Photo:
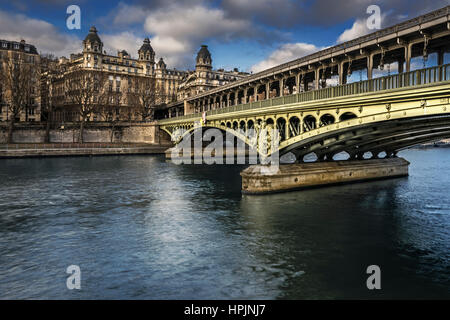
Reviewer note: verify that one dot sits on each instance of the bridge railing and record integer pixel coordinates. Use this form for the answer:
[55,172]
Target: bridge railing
[402,80]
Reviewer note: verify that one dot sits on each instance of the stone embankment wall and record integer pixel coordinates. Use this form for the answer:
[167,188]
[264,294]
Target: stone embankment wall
[93,132]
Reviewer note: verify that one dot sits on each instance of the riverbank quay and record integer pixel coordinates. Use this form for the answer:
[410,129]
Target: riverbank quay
[31,150]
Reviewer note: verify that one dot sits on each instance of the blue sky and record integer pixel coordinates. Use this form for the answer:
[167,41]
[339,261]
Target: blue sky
[249,34]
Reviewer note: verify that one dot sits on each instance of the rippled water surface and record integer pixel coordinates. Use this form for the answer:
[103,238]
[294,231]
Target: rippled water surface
[141,228]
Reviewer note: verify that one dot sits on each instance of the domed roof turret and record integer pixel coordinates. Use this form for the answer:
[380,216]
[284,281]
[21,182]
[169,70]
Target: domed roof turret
[146,47]
[204,57]
[92,41]
[93,36]
[161,64]
[146,51]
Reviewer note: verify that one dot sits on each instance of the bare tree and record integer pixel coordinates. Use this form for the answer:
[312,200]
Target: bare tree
[109,109]
[85,90]
[144,96]
[18,77]
[49,70]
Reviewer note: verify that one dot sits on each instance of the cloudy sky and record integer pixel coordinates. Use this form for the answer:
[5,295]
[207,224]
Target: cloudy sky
[249,34]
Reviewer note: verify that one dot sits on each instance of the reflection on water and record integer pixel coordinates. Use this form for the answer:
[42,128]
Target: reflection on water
[139,227]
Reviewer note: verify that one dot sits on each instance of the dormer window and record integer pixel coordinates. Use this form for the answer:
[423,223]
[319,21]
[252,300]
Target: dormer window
[27,49]
[4,45]
[16,46]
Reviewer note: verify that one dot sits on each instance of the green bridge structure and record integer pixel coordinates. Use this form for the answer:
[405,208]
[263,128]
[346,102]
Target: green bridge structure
[315,110]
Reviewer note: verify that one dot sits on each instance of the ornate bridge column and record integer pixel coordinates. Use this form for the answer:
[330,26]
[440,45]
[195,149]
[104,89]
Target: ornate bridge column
[316,78]
[408,48]
[370,66]
[297,82]
[342,73]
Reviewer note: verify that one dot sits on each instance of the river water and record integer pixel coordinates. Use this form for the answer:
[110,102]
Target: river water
[141,228]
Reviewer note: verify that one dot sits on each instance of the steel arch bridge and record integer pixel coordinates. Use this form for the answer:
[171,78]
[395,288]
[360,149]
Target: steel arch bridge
[386,114]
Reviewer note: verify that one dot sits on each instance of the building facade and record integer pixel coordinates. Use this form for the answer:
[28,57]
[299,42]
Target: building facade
[20,70]
[124,75]
[129,82]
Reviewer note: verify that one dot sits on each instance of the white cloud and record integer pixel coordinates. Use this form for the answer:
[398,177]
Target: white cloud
[125,14]
[39,33]
[358,29]
[179,31]
[195,23]
[176,30]
[285,53]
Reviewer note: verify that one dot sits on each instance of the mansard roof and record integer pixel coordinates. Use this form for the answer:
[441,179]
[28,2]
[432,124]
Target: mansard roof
[18,46]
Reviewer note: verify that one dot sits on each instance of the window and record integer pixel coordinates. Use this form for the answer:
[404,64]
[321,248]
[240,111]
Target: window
[4,45]
[16,46]
[27,49]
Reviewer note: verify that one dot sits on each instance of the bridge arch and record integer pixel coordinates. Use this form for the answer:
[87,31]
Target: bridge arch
[281,127]
[270,120]
[326,120]
[294,126]
[242,125]
[347,116]
[309,123]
